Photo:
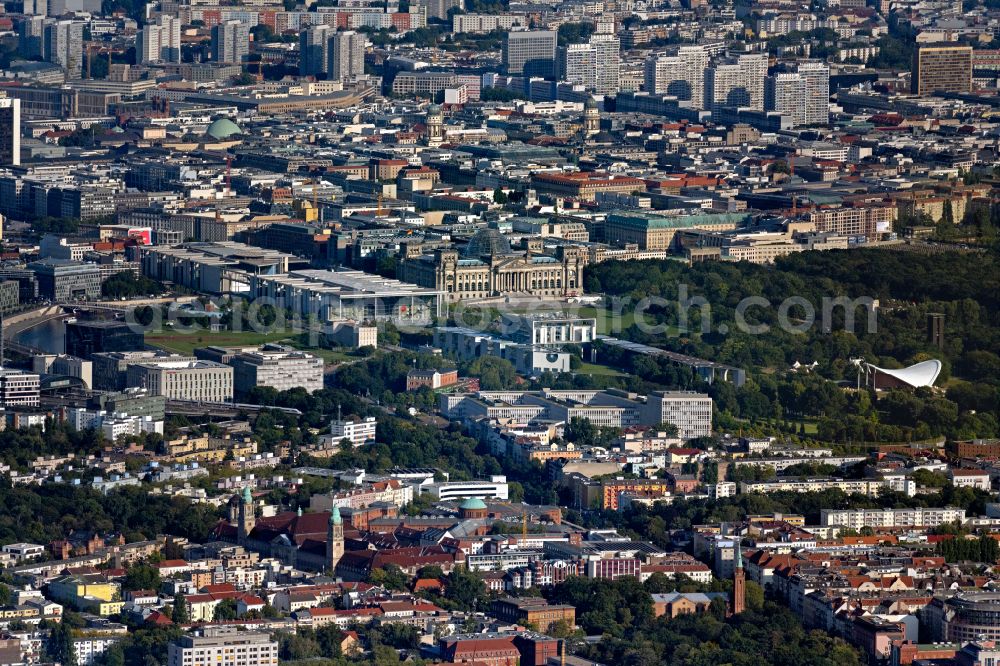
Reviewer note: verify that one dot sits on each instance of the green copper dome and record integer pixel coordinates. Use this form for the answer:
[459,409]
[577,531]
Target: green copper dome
[472,504]
[247,497]
[335,518]
[223,128]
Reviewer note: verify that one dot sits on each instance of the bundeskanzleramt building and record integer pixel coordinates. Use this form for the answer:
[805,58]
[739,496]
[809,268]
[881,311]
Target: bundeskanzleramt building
[202,381]
[221,647]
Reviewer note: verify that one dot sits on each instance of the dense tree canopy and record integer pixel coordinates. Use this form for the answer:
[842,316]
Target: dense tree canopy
[904,286]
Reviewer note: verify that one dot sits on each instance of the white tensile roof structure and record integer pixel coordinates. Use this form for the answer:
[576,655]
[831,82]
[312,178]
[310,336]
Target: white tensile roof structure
[921,374]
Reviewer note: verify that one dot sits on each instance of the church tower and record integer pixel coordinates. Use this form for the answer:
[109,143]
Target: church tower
[247,519]
[591,117]
[334,539]
[739,583]
[435,125]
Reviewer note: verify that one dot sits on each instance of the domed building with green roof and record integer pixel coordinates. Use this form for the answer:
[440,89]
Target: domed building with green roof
[223,129]
[472,509]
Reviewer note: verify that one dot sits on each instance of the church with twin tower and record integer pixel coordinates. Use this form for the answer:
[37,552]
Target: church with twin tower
[311,541]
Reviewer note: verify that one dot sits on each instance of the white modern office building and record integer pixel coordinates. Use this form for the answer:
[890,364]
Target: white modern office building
[356,431]
[201,381]
[493,488]
[278,369]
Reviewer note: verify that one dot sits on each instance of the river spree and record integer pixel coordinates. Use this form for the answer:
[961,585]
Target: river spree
[49,336]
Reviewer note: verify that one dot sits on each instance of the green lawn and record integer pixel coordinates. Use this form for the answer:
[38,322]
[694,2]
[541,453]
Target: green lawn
[599,370]
[329,356]
[185,343]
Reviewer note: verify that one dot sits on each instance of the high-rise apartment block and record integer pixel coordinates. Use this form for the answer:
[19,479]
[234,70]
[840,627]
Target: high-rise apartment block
[230,41]
[160,41]
[10,131]
[737,82]
[35,7]
[314,43]
[31,36]
[439,9]
[594,65]
[62,44]
[530,52]
[941,68]
[346,55]
[681,75]
[803,94]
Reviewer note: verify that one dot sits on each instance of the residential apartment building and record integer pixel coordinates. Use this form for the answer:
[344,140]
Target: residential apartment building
[346,54]
[479,24]
[62,44]
[681,75]
[855,519]
[230,42]
[594,65]
[314,44]
[691,412]
[223,647]
[862,486]
[803,95]
[862,220]
[159,41]
[736,82]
